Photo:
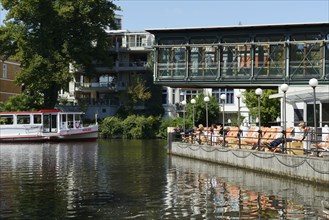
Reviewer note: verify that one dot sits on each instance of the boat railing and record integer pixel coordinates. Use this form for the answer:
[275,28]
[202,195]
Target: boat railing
[71,124]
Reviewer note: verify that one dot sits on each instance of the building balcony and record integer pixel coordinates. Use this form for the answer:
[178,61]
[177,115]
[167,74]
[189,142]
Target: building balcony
[95,86]
[122,67]
[98,102]
[132,46]
[100,86]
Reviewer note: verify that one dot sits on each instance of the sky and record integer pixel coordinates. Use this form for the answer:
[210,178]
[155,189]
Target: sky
[141,15]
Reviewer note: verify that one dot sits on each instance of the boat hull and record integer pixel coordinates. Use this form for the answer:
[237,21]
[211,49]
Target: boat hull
[83,134]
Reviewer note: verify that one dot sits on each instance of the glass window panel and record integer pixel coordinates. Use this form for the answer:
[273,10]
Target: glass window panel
[305,60]
[36,119]
[310,114]
[269,61]
[23,119]
[228,92]
[164,60]
[236,61]
[172,62]
[325,114]
[196,61]
[6,119]
[179,61]
[210,63]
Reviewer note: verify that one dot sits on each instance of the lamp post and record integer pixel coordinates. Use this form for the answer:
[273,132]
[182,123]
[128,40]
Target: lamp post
[238,95]
[183,104]
[223,98]
[284,88]
[206,100]
[193,102]
[314,83]
[259,93]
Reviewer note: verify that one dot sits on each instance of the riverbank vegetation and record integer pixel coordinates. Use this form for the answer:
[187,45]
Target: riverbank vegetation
[146,125]
[132,127]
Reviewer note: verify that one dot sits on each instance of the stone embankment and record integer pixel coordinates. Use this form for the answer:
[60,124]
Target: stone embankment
[303,167]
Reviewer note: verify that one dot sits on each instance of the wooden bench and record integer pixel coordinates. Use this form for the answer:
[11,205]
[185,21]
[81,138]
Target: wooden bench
[251,139]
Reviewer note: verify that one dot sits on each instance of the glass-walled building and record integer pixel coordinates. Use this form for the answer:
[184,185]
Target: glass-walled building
[229,56]
[240,57]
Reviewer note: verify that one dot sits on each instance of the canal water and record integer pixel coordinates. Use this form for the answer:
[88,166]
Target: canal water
[137,179]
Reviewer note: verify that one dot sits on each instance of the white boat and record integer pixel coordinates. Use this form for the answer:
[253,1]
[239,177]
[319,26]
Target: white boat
[45,125]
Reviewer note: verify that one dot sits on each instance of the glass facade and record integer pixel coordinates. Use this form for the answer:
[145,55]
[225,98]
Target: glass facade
[279,53]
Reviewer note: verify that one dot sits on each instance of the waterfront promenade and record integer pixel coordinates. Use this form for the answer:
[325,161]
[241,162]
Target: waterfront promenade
[304,167]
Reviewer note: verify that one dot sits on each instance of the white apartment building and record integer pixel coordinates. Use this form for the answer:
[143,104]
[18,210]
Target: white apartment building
[171,97]
[101,95]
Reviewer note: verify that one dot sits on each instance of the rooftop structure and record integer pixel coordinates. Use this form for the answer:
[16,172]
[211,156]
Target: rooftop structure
[242,56]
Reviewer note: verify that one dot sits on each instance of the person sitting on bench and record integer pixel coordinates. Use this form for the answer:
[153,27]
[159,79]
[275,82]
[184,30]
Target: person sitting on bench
[300,136]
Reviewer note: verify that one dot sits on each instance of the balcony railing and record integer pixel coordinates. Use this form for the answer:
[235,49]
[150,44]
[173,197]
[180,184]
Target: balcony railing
[99,102]
[95,85]
[123,66]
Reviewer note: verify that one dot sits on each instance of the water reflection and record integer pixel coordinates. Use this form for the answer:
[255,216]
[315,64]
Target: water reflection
[36,177]
[232,193]
[116,179]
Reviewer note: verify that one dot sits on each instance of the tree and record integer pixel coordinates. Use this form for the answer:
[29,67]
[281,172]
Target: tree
[200,110]
[46,36]
[269,108]
[138,92]
[21,102]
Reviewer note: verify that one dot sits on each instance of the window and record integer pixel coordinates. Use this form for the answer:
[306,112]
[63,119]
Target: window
[310,114]
[4,71]
[164,96]
[23,119]
[37,119]
[187,95]
[139,40]
[228,92]
[6,120]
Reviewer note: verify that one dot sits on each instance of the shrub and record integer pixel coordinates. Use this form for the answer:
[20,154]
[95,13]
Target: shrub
[111,127]
[133,127]
[173,122]
[138,127]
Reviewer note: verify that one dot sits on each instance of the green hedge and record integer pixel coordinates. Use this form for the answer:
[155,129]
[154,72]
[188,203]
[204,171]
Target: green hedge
[133,127]
[139,127]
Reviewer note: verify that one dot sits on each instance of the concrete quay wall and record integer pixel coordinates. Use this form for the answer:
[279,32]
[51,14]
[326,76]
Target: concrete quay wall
[304,167]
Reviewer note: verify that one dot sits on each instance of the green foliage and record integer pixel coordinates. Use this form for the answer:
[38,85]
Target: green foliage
[22,102]
[169,122]
[111,127]
[154,104]
[269,108]
[46,36]
[141,91]
[133,127]
[138,127]
[200,110]
[138,92]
